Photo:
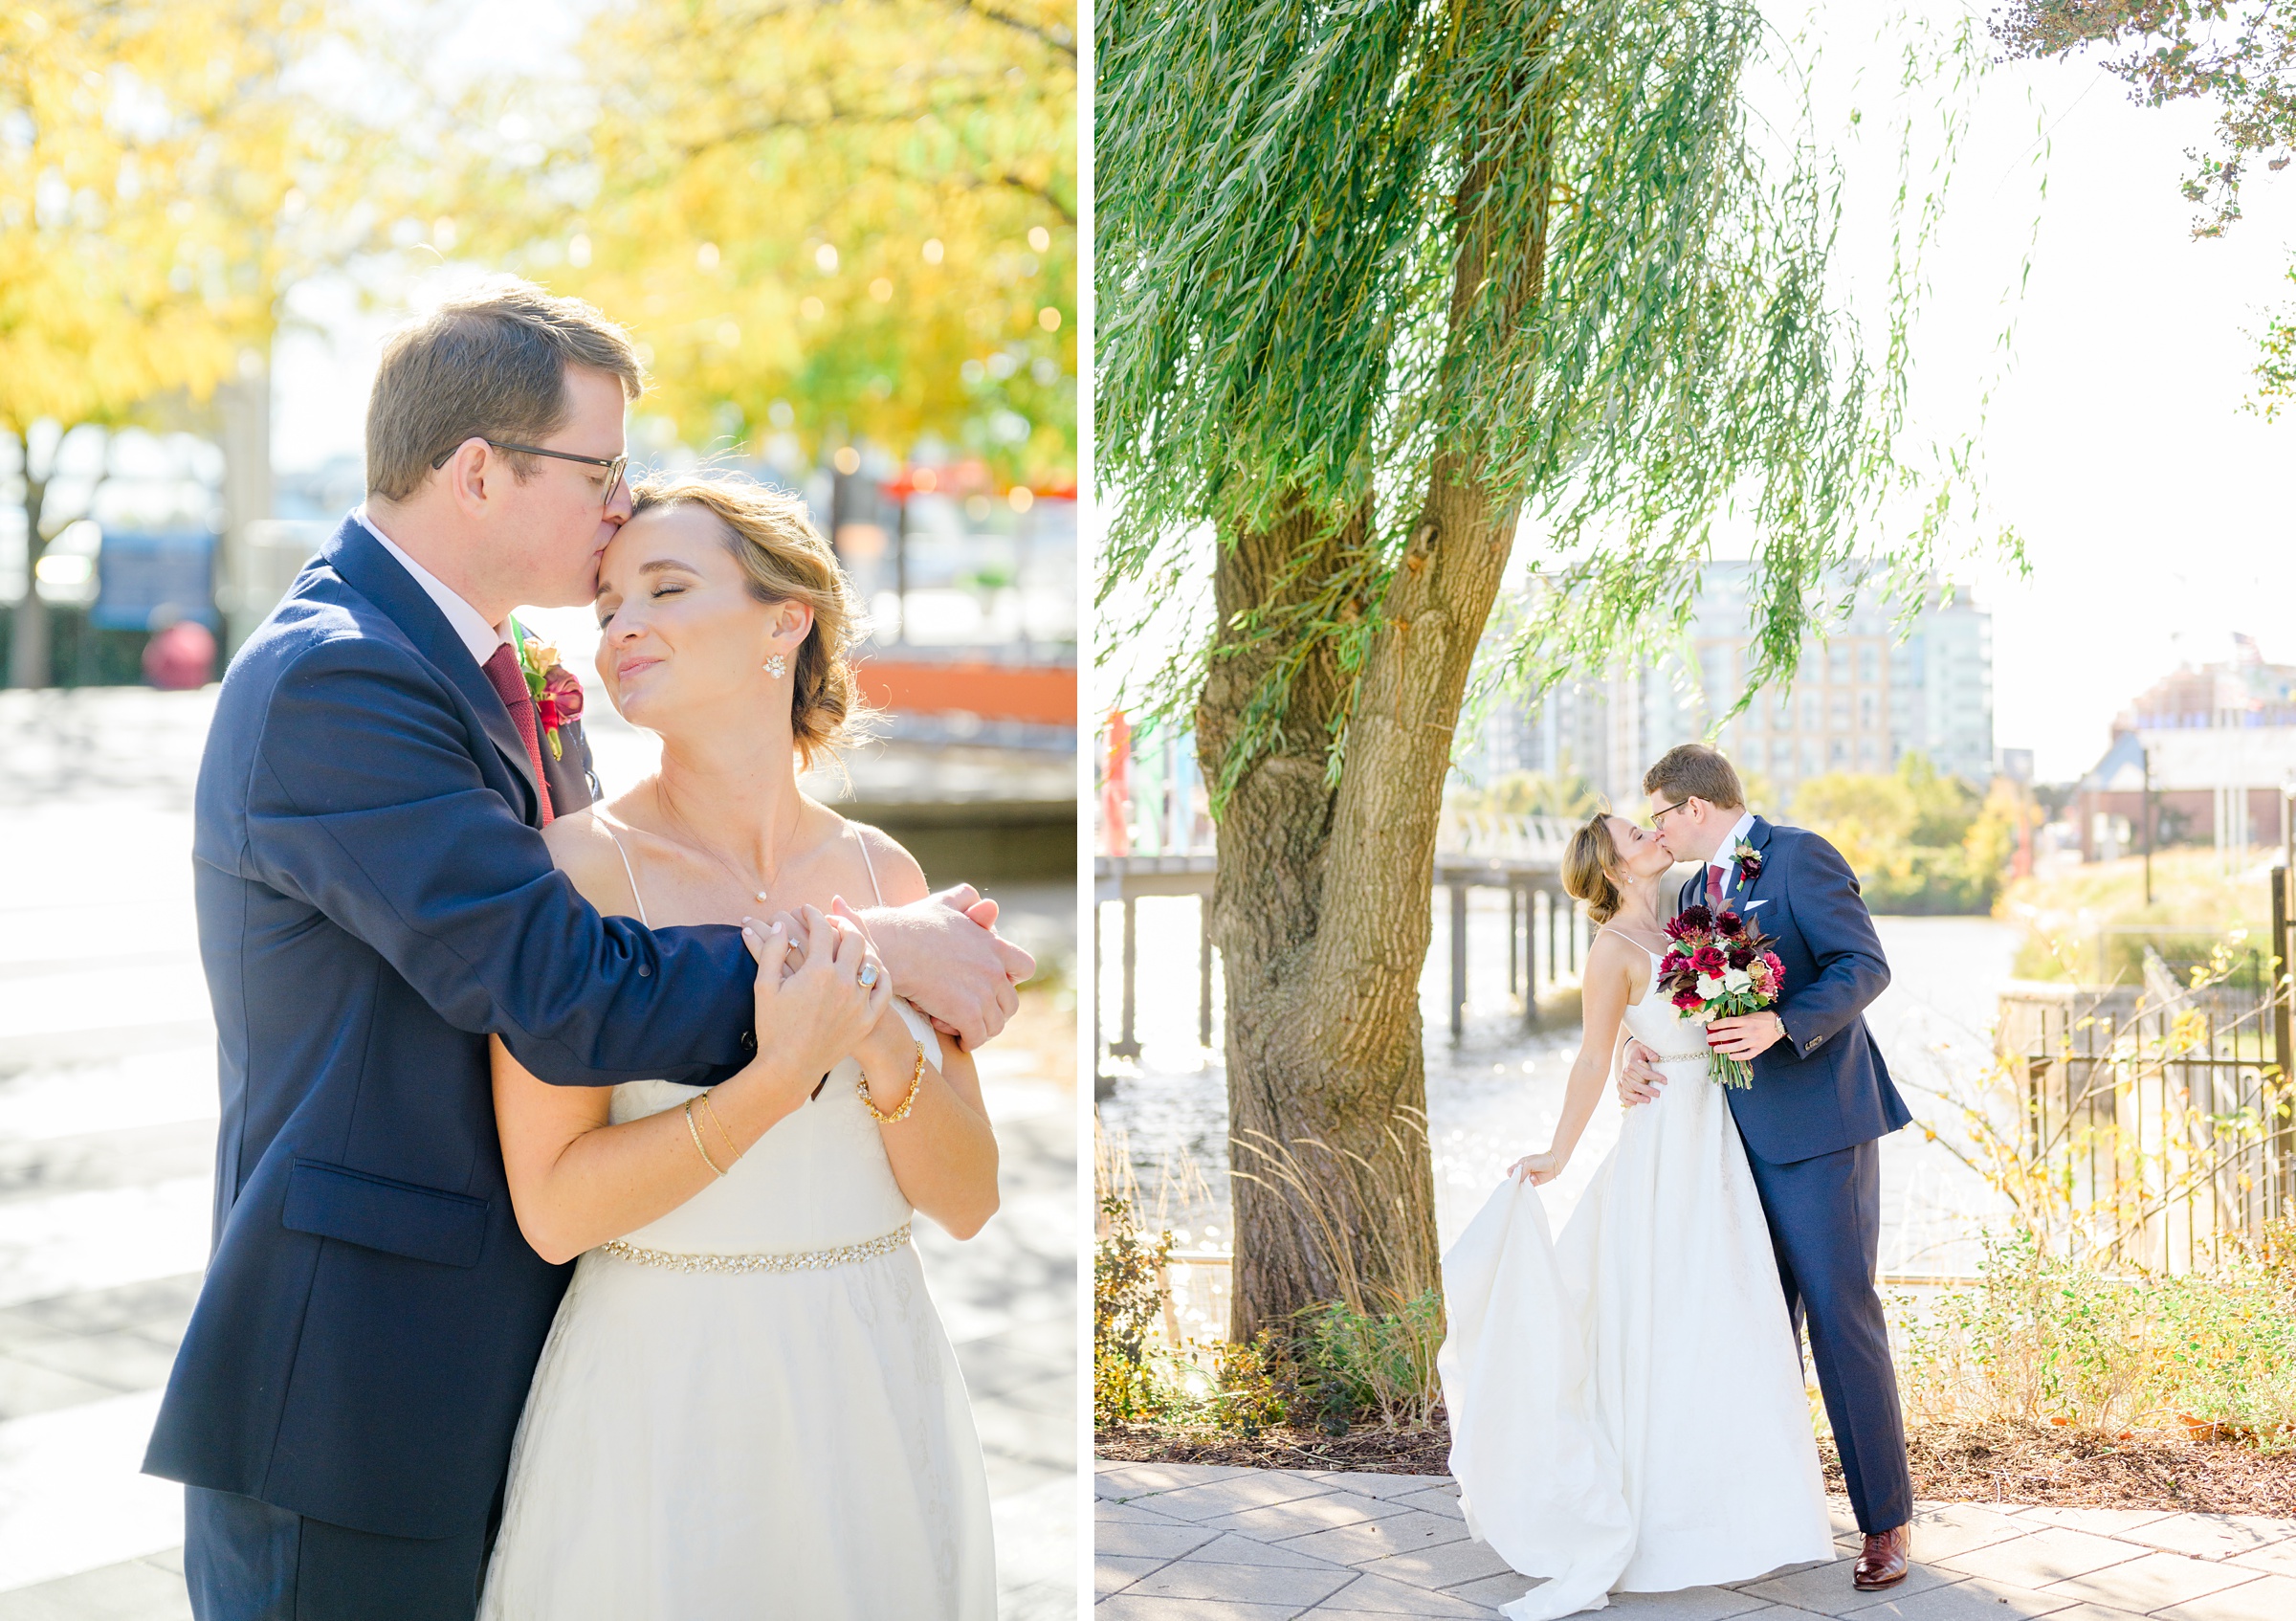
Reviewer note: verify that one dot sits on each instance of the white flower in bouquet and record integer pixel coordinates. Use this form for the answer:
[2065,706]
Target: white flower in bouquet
[1737,980]
[1709,987]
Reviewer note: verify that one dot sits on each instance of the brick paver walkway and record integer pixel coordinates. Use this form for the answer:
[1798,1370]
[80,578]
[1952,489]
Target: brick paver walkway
[1192,1543]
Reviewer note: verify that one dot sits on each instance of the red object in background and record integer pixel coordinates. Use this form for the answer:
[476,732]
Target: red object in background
[180,659]
[1116,786]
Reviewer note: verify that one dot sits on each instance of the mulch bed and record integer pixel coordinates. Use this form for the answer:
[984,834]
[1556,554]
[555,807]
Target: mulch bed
[2036,1464]
[1378,1452]
[2015,1463]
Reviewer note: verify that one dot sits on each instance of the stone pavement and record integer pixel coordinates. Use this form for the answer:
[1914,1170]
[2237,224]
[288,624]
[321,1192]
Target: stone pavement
[107,1124]
[1194,1542]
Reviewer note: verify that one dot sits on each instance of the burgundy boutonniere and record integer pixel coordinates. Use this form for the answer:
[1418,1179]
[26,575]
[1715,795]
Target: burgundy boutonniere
[556,694]
[1749,862]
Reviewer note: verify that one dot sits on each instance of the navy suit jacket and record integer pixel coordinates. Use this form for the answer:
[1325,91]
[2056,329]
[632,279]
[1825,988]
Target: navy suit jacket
[373,899]
[1824,1087]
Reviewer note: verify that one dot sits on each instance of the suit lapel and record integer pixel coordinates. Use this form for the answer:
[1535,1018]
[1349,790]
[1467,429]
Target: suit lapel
[376,575]
[1746,892]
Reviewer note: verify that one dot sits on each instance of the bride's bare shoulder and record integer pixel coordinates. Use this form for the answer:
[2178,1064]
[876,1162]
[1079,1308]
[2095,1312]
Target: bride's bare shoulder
[899,878]
[582,847]
[1612,951]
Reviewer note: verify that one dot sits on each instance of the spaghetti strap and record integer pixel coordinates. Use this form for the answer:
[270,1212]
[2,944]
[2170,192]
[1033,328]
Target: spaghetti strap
[627,868]
[868,863]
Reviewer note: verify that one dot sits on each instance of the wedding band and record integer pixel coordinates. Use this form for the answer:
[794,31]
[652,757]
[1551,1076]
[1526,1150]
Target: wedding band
[868,976]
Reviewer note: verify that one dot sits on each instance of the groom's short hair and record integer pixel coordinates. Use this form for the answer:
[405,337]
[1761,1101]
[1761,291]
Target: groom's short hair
[1692,770]
[490,364]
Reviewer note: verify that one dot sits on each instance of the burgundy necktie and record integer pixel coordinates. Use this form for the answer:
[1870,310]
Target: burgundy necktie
[510,682]
[1713,886]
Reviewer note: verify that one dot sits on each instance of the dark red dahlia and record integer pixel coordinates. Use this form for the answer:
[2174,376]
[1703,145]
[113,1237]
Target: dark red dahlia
[1729,925]
[1739,955]
[1690,918]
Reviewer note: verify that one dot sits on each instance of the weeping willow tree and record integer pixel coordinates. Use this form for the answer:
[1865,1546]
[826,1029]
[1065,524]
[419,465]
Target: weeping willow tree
[1380,287]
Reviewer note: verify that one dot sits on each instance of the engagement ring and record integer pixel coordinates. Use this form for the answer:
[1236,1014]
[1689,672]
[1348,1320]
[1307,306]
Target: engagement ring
[868,975]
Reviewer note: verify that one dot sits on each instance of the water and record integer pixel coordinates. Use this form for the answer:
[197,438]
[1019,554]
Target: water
[1497,1096]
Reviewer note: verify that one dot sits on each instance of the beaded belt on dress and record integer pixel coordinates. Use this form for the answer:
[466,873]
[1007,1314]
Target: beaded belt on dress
[786,1260]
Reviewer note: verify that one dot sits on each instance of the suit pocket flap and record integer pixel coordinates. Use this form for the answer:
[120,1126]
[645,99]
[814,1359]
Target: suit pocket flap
[377,1213]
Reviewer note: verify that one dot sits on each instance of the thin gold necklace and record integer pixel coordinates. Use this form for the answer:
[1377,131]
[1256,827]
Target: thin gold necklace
[696,842]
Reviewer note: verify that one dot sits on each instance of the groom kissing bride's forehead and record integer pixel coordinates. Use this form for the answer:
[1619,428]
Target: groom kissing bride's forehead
[396,950]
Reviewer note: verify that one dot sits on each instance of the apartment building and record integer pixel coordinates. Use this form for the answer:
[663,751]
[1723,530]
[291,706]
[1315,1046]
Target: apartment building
[1859,701]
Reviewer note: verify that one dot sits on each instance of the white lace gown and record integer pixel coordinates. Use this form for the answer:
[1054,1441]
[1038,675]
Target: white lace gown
[1626,1403]
[704,1444]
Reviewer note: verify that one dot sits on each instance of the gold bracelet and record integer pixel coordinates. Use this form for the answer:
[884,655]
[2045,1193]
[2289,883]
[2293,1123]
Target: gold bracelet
[698,1146]
[917,1078]
[733,1150]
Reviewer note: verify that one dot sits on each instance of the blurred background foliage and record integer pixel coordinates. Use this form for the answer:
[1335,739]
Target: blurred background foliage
[834,220]
[1918,839]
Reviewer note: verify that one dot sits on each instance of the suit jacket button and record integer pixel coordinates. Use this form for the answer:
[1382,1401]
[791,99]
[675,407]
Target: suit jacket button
[645,970]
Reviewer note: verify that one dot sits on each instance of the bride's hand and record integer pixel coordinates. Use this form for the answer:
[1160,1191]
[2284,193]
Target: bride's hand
[810,1018]
[1539,1168]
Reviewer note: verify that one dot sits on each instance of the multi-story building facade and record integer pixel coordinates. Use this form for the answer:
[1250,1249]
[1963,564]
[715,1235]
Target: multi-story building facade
[2206,751]
[1860,702]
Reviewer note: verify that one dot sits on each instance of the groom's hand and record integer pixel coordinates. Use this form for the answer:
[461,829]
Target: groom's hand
[945,958]
[1639,1080]
[1747,1035]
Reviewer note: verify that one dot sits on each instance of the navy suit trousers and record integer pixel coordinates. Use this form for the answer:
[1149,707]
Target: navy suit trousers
[249,1561]
[1826,1223]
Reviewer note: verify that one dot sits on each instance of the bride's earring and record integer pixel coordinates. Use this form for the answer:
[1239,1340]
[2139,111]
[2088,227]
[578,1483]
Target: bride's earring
[776,666]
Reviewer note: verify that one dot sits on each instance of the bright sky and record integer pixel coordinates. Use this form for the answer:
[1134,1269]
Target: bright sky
[2155,512]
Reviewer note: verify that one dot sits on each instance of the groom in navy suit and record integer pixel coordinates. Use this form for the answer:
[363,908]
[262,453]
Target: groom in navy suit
[1812,1121]
[374,899]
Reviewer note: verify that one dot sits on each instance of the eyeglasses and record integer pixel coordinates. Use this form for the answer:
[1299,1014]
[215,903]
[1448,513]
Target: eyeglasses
[1658,816]
[613,465]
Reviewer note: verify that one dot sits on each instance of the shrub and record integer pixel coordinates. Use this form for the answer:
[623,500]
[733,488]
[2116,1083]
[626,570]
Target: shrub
[1367,1362]
[2043,1338]
[1128,1304]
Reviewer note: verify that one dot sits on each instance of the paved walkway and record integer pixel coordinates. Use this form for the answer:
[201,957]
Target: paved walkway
[107,1125]
[1191,1543]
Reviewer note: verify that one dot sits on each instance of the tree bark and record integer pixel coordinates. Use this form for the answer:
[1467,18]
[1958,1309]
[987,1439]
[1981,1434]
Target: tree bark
[27,656]
[1307,1140]
[1322,901]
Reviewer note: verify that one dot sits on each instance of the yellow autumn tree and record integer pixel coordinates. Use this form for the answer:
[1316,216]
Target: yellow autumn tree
[147,152]
[845,219]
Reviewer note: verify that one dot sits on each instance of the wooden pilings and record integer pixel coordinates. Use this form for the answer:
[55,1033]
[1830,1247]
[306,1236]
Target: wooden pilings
[1531,888]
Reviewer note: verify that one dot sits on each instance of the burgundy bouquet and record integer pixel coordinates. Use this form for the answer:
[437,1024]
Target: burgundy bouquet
[1720,966]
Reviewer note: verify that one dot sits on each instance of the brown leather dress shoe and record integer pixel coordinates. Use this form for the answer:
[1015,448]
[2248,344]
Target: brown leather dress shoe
[1883,1564]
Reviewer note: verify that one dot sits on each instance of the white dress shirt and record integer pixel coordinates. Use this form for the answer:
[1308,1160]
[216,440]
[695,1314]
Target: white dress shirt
[1725,854]
[476,635]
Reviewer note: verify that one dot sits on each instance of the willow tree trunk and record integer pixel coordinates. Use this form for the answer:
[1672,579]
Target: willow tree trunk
[1322,901]
[27,656]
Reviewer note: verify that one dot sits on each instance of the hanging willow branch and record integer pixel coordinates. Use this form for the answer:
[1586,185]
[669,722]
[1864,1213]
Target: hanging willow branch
[1280,214]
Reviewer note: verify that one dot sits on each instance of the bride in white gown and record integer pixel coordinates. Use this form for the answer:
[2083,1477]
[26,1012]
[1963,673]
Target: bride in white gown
[1627,1402]
[747,1407]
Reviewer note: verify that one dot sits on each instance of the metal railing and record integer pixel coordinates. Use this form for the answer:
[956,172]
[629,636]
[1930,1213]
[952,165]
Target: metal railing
[2155,1116]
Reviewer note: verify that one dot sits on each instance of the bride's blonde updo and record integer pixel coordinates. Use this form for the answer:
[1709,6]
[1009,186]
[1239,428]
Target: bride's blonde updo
[785,560]
[1590,868]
